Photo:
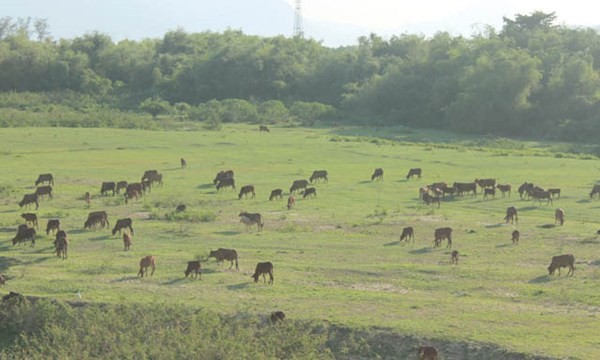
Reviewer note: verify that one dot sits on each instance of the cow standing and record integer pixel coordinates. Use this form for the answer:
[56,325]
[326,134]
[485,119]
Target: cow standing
[127,241]
[245,190]
[298,184]
[263,268]
[145,263]
[511,215]
[515,237]
[42,178]
[318,175]
[52,225]
[291,202]
[560,262]
[408,233]
[30,218]
[225,254]
[377,174]
[123,224]
[29,199]
[194,268]
[559,216]
[416,172]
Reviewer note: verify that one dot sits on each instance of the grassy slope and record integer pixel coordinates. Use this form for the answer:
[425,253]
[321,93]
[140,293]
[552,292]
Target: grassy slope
[336,257]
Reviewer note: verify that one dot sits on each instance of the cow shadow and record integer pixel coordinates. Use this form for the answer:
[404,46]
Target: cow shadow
[547,226]
[590,241]
[41,259]
[540,279]
[582,201]
[227,233]
[176,281]
[205,186]
[125,278]
[528,208]
[392,243]
[8,211]
[503,245]
[76,231]
[421,251]
[493,226]
[595,263]
[241,286]
[6,262]
[365,182]
[97,238]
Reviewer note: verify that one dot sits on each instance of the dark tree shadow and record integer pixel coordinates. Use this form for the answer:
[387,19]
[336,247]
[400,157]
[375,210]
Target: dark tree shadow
[9,230]
[6,262]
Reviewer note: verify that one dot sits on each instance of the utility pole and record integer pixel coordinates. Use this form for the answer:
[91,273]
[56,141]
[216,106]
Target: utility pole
[298,28]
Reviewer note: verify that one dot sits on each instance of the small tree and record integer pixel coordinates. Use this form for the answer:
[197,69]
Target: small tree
[155,106]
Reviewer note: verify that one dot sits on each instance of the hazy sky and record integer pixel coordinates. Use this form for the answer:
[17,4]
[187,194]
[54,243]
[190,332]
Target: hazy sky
[334,22]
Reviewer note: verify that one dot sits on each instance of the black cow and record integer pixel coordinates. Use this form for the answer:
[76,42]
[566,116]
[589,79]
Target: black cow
[30,218]
[277,193]
[148,174]
[183,163]
[193,268]
[511,215]
[52,225]
[42,178]
[319,175]
[41,191]
[95,218]
[223,183]
[262,128]
[222,175]
[441,234]
[29,199]
[250,219]
[121,185]
[225,254]
[308,192]
[277,316]
[180,208]
[263,268]
[24,233]
[427,353]
[245,190]
[560,262]
[408,233]
[414,172]
[106,187]
[122,224]
[298,184]
[377,174]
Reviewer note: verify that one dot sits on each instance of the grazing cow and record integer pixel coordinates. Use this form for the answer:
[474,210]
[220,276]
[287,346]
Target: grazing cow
[554,191]
[595,190]
[52,225]
[414,172]
[408,233]
[131,194]
[454,257]
[139,187]
[62,244]
[29,199]
[291,202]
[95,218]
[88,198]
[42,178]
[148,261]
[525,189]
[249,219]
[127,241]
[427,353]
[24,233]
[423,190]
[462,188]
[155,179]
[183,163]
[430,200]
[225,254]
[193,268]
[298,184]
[559,216]
[277,316]
[438,185]
[485,183]
[511,214]
[180,208]
[447,190]
[489,192]
[148,174]
[262,269]
[277,193]
[229,182]
[41,191]
[222,175]
[262,128]
[560,262]
[318,175]
[538,194]
[308,192]
[504,189]
[441,234]
[377,174]
[30,218]
[122,224]
[515,237]
[245,190]
[121,185]
[106,187]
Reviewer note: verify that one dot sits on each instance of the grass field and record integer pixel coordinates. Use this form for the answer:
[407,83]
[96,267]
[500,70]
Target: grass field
[336,257]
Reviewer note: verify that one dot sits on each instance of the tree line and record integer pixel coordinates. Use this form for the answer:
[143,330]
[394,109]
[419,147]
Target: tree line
[530,78]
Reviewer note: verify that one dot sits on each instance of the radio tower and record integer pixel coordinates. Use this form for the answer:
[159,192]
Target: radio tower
[298,30]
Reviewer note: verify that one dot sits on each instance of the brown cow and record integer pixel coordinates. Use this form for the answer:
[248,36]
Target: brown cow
[88,198]
[291,202]
[511,215]
[195,268]
[277,193]
[414,172]
[127,241]
[183,163]
[560,262]
[504,189]
[262,128]
[2,279]
[298,184]
[148,261]
[262,269]
[139,187]
[106,187]
[131,194]
[245,190]
[30,218]
[225,254]
[42,178]
[277,316]
[41,191]
[308,192]
[155,179]
[318,175]
[427,353]
[30,199]
[462,188]
[377,174]
[441,234]
[62,245]
[454,257]
[423,190]
[408,233]
[52,225]
[559,216]
[121,185]
[515,237]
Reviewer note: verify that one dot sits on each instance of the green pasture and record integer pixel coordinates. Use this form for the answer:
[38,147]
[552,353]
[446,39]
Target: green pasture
[336,257]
